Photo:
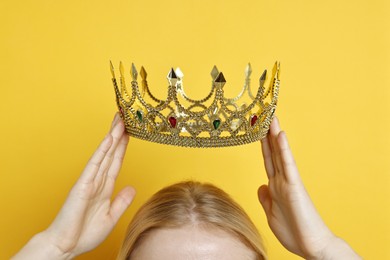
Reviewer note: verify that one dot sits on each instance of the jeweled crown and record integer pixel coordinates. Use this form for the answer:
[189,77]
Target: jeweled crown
[222,122]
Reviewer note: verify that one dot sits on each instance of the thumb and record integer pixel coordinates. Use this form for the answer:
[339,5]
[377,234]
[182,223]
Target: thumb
[264,198]
[121,202]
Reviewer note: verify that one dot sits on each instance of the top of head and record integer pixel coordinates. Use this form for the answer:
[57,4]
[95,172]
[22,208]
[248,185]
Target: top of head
[222,122]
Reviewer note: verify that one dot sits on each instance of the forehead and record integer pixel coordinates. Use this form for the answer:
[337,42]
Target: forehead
[191,242]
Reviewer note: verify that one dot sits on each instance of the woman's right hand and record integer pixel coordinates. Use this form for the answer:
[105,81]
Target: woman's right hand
[290,212]
[88,214]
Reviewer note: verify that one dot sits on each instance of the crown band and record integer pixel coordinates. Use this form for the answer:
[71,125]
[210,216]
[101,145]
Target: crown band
[219,124]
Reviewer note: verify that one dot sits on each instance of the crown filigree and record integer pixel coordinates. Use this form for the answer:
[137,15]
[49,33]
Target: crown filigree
[214,121]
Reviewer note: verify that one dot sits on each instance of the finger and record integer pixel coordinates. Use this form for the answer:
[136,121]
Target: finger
[265,199]
[121,202]
[267,157]
[116,133]
[288,163]
[116,165]
[94,163]
[115,120]
[118,157]
[273,133]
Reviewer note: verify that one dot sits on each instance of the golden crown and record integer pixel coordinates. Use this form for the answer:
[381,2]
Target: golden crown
[223,122]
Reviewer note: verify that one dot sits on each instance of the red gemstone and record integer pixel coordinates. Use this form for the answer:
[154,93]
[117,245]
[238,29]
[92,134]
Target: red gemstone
[121,110]
[172,121]
[253,120]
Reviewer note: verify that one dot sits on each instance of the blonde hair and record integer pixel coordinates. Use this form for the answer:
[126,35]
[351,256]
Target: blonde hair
[189,203]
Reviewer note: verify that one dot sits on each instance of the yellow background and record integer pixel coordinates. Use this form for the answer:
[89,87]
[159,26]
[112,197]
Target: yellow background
[57,103]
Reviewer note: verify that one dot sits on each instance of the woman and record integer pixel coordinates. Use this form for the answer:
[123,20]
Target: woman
[191,220]
[88,215]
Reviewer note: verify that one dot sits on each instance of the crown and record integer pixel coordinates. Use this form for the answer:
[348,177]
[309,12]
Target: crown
[214,121]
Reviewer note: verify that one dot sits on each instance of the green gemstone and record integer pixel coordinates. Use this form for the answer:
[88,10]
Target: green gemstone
[216,123]
[139,115]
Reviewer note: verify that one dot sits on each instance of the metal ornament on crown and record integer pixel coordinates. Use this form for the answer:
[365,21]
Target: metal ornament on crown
[222,123]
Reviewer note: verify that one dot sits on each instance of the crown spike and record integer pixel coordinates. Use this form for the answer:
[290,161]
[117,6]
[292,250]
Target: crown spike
[278,70]
[172,77]
[121,69]
[248,70]
[214,72]
[179,73]
[275,74]
[133,72]
[263,76]
[112,70]
[220,80]
[172,74]
[262,79]
[143,73]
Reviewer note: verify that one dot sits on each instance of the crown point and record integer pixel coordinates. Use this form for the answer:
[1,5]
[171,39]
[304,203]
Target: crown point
[179,73]
[278,70]
[172,74]
[121,69]
[220,79]
[133,72]
[263,76]
[112,70]
[248,70]
[143,73]
[172,77]
[214,72]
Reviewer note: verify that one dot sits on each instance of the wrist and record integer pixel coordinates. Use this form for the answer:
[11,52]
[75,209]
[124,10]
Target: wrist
[336,248]
[41,246]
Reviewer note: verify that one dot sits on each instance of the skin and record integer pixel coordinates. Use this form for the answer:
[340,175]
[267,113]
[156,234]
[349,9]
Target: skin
[88,214]
[290,212]
[192,242]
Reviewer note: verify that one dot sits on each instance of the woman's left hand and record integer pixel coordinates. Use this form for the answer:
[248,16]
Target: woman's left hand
[88,215]
[290,212]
